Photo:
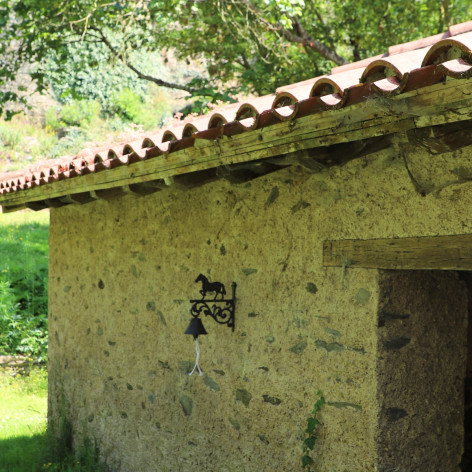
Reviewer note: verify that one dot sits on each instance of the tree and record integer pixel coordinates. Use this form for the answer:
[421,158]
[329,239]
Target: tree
[254,45]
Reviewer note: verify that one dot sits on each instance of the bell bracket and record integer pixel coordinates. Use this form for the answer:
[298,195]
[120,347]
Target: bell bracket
[220,309]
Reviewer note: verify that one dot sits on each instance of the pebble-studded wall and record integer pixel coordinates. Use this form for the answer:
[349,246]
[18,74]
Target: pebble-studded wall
[122,273]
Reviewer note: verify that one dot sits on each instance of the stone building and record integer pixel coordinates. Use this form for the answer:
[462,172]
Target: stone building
[341,208]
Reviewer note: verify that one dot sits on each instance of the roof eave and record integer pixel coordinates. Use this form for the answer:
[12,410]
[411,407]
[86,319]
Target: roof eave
[381,114]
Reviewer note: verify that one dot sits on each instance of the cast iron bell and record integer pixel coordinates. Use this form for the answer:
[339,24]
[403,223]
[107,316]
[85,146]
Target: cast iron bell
[196,328]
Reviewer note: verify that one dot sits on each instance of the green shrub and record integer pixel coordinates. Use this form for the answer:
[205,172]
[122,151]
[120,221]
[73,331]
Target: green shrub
[9,136]
[51,119]
[127,105]
[23,289]
[7,311]
[80,112]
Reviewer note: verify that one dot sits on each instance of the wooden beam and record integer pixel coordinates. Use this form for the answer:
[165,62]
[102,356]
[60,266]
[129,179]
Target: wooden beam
[36,206]
[428,253]
[55,202]
[83,198]
[139,189]
[11,209]
[442,139]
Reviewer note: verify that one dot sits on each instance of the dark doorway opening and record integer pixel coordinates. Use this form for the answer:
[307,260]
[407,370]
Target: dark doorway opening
[422,354]
[466,465]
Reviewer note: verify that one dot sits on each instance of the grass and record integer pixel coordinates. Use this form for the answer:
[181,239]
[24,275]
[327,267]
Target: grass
[23,399]
[25,217]
[25,445]
[23,410]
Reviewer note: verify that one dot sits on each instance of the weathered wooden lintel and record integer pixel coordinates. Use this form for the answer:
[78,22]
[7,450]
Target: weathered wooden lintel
[419,253]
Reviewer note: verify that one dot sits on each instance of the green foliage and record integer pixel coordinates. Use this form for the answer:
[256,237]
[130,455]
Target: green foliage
[80,113]
[51,119]
[9,137]
[130,107]
[127,104]
[310,439]
[83,71]
[254,45]
[23,289]
[22,142]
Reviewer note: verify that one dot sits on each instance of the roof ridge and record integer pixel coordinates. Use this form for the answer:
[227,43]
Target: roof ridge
[421,43]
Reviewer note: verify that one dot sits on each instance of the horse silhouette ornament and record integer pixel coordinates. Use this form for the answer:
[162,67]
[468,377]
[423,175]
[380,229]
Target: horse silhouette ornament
[210,287]
[220,308]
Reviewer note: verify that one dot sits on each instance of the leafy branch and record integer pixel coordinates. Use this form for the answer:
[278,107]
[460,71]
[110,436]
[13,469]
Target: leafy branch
[141,75]
[296,34]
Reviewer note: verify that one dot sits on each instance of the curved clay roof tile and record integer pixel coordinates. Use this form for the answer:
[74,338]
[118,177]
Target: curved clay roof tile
[460,28]
[114,152]
[286,104]
[448,49]
[287,112]
[248,116]
[216,120]
[169,136]
[390,75]
[118,161]
[284,99]
[189,129]
[409,66]
[380,69]
[130,148]
[329,92]
[299,85]
[195,125]
[147,143]
[333,90]
[249,112]
[134,146]
[416,44]
[77,164]
[151,139]
[456,68]
[99,158]
[227,112]
[155,151]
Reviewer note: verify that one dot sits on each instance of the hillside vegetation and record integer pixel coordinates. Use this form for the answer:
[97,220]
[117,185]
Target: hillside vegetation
[65,129]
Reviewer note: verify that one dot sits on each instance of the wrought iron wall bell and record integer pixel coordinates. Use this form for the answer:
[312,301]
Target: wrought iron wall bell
[196,328]
[219,308]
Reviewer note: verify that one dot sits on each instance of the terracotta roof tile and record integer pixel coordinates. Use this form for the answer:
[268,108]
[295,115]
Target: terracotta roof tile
[417,44]
[356,65]
[405,67]
[451,48]
[460,28]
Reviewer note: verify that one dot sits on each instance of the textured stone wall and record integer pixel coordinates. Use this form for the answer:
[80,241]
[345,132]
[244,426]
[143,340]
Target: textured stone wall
[422,363]
[121,275]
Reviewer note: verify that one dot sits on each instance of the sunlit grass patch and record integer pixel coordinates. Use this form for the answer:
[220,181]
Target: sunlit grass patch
[23,403]
[25,217]
[23,415]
